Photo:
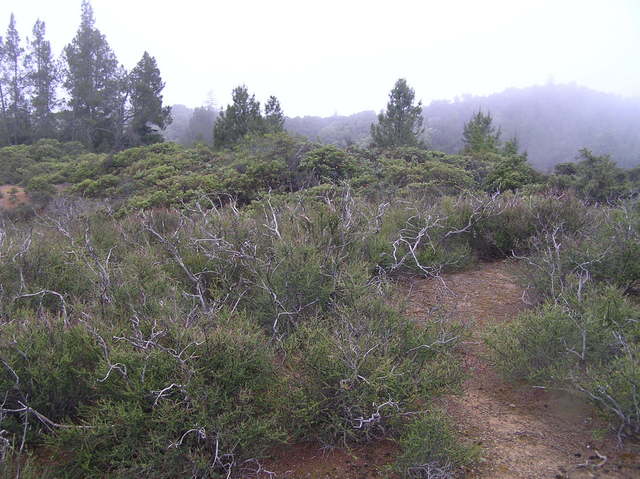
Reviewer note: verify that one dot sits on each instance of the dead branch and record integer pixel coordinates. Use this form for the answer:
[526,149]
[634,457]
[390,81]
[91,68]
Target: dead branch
[43,292]
[431,470]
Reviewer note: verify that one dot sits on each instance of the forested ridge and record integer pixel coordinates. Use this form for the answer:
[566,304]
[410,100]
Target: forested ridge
[202,307]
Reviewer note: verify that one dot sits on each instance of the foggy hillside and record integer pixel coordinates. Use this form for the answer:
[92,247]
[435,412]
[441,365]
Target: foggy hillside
[191,125]
[552,123]
[336,130]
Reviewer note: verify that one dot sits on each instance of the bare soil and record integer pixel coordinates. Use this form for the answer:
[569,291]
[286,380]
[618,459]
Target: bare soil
[309,461]
[524,432]
[9,201]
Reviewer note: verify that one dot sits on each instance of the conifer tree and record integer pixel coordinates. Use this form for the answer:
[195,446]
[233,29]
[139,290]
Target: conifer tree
[148,115]
[401,123]
[273,115]
[42,78]
[4,114]
[94,82]
[480,136]
[201,123]
[16,108]
[240,118]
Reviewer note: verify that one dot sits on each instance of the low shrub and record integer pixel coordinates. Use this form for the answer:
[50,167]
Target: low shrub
[430,448]
[47,367]
[171,409]
[587,342]
[356,374]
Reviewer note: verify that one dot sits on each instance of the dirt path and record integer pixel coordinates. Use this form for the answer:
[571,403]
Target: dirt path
[524,432]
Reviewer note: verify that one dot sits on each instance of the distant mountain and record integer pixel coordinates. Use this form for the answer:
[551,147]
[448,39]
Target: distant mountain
[552,122]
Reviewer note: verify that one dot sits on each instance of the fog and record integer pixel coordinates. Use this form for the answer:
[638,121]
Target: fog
[342,57]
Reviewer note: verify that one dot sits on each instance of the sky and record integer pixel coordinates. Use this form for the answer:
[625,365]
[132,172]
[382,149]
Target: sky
[343,56]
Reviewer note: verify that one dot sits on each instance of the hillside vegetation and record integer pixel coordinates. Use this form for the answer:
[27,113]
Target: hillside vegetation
[188,310]
[552,122]
[166,174]
[181,311]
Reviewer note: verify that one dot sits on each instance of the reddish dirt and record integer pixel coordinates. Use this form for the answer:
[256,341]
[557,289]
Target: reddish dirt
[9,201]
[525,432]
[309,461]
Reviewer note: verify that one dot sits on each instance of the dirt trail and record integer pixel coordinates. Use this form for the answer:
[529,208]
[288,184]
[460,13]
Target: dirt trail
[524,432]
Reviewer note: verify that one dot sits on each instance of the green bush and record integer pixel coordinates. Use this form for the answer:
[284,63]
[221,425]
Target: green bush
[167,415]
[429,444]
[614,388]
[588,343]
[595,243]
[356,373]
[329,163]
[49,368]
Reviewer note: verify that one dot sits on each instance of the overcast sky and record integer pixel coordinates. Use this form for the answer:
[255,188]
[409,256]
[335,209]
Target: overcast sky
[343,56]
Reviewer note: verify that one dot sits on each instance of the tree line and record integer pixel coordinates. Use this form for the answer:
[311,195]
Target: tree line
[552,122]
[85,95]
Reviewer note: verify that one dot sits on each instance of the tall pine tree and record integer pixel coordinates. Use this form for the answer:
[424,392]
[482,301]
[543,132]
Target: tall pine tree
[201,123]
[273,115]
[401,123]
[42,78]
[94,82]
[4,114]
[148,115]
[16,108]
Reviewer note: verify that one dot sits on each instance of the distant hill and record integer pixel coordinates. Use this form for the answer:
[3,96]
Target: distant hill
[552,123]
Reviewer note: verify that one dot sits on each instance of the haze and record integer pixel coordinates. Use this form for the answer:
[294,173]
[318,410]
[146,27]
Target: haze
[332,56]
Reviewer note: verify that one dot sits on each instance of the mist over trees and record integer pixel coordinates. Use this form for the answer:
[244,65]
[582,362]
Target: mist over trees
[102,106]
[552,122]
[190,126]
[87,95]
[339,130]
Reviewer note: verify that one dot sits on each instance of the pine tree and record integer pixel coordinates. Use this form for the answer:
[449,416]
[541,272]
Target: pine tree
[14,80]
[512,147]
[240,118]
[201,123]
[94,82]
[480,136]
[121,110]
[401,123]
[273,115]
[148,116]
[43,78]
[4,114]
